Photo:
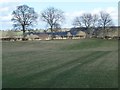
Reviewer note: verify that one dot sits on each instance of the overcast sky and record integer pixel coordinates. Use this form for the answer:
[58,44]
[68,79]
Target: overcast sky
[72,8]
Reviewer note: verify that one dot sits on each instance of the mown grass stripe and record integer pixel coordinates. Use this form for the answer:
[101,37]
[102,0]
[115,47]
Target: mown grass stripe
[47,73]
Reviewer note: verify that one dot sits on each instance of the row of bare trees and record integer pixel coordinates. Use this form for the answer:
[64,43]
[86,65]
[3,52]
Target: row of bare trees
[24,17]
[92,21]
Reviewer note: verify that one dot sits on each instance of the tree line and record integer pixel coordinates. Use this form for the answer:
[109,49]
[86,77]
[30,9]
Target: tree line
[25,17]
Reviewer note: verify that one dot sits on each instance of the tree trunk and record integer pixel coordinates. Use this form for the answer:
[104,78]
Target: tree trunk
[23,28]
[51,32]
[88,33]
[104,34]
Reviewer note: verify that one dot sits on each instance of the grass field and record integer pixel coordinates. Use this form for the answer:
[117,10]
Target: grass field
[89,63]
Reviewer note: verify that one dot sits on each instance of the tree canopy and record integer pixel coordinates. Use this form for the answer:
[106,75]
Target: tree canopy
[53,17]
[24,17]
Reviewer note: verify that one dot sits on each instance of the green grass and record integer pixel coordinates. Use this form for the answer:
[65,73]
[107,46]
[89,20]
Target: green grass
[88,63]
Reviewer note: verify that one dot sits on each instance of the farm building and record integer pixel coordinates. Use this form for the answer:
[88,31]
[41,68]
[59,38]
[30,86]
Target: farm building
[37,36]
[80,35]
[71,34]
[56,35]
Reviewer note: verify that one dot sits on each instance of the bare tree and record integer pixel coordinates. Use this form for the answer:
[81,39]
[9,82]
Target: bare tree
[77,22]
[94,27]
[105,20]
[24,17]
[87,20]
[95,19]
[52,17]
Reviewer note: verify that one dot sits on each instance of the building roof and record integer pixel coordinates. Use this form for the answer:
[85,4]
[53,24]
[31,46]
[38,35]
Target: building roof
[72,32]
